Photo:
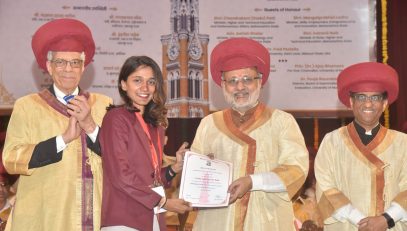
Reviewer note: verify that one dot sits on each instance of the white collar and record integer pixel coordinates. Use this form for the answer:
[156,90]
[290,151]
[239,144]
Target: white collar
[60,95]
[369,133]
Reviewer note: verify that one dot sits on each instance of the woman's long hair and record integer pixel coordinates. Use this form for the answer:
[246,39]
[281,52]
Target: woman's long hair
[155,111]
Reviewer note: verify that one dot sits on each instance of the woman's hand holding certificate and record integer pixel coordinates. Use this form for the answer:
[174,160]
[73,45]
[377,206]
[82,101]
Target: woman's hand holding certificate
[205,181]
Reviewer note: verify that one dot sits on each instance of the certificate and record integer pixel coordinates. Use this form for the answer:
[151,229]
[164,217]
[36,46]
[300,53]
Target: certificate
[204,181]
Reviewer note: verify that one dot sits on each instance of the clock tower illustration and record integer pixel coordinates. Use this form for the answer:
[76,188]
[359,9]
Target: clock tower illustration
[185,62]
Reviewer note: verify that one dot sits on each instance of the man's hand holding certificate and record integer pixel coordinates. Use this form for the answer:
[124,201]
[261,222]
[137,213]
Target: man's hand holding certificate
[205,181]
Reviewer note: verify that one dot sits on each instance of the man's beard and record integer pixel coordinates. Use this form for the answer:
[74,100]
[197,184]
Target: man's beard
[242,107]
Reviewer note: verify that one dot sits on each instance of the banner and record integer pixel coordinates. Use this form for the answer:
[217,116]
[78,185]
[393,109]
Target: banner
[310,41]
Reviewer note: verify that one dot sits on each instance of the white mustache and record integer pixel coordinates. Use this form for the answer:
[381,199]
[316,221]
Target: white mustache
[241,93]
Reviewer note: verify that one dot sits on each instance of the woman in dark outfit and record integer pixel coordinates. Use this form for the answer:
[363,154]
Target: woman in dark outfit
[132,139]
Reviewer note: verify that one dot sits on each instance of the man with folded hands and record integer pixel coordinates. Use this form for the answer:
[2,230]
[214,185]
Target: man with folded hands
[52,137]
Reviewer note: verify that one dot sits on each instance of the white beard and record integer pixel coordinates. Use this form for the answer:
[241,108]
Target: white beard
[242,107]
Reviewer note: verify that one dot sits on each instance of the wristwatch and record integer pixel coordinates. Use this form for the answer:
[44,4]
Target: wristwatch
[390,221]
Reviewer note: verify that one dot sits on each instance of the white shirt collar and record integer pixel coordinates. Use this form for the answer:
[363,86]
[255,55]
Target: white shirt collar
[370,132]
[60,95]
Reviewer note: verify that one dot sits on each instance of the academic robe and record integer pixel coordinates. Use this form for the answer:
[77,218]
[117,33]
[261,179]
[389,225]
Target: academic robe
[270,141]
[369,176]
[51,196]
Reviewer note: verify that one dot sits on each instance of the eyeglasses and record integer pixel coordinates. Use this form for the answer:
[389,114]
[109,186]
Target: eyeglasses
[61,63]
[363,98]
[150,82]
[246,80]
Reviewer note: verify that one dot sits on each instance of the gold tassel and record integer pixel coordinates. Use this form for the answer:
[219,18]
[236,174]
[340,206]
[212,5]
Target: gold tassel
[385,54]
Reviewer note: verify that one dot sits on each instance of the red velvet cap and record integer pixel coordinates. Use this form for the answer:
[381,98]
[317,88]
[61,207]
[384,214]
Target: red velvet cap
[238,53]
[62,35]
[368,77]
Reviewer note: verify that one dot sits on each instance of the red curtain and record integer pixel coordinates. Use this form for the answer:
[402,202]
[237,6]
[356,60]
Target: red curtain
[397,51]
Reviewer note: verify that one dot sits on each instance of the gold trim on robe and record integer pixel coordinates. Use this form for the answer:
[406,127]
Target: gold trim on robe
[330,201]
[56,188]
[369,177]
[401,199]
[292,176]
[225,124]
[268,138]
[377,184]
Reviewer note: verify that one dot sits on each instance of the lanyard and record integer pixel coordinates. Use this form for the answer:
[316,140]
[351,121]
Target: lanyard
[154,156]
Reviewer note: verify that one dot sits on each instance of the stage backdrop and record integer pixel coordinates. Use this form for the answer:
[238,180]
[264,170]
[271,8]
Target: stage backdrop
[310,41]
